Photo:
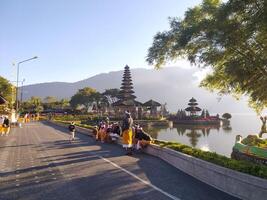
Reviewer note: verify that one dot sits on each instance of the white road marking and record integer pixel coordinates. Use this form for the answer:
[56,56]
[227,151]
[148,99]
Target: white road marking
[138,178]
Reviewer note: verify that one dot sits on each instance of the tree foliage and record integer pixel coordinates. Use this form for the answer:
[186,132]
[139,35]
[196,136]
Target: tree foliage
[85,97]
[34,104]
[50,99]
[6,89]
[230,37]
[111,95]
[227,116]
[63,103]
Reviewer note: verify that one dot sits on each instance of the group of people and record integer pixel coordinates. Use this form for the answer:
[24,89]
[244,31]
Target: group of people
[30,117]
[107,132]
[133,136]
[4,125]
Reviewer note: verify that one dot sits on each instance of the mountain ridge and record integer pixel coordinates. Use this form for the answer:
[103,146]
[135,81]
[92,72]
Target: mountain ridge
[172,85]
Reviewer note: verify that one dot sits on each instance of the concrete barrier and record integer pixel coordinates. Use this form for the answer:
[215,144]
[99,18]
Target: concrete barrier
[238,184]
[235,183]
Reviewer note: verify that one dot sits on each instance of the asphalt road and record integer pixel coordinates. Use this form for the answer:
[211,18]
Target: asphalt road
[37,162]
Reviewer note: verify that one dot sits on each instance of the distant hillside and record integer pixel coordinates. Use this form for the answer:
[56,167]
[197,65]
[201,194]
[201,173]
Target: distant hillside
[172,85]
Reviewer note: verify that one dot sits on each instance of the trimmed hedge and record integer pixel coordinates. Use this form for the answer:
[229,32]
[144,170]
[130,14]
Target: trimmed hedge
[73,117]
[241,166]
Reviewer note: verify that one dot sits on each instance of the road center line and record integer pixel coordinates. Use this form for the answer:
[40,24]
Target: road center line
[138,178]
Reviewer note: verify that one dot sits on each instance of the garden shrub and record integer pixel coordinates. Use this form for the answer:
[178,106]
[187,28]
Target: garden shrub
[259,170]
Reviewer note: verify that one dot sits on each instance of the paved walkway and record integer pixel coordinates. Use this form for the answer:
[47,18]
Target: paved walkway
[38,162]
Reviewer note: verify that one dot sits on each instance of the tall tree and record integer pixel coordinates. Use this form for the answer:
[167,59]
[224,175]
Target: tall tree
[229,37]
[36,104]
[50,99]
[112,95]
[6,89]
[85,97]
[63,103]
[50,102]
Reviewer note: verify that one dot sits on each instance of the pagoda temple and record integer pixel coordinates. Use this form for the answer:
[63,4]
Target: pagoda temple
[193,109]
[192,116]
[127,98]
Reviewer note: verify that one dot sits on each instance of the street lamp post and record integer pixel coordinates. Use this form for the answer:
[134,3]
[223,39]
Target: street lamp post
[17,89]
[21,91]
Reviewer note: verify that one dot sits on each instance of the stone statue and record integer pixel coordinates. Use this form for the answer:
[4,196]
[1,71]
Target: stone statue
[263,127]
[238,139]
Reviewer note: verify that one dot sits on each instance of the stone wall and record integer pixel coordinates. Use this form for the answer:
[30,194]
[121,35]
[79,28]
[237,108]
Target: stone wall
[238,184]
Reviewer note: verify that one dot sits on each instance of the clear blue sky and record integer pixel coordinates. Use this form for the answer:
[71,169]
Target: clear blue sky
[75,39]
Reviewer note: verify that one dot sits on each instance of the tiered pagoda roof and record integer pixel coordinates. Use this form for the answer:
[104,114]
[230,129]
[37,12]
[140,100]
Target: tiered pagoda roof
[193,106]
[127,97]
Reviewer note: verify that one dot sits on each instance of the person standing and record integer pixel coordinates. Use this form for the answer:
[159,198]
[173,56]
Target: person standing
[103,132]
[127,133]
[6,126]
[72,131]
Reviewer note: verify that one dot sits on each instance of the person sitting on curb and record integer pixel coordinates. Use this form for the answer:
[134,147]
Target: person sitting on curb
[72,131]
[115,132]
[143,138]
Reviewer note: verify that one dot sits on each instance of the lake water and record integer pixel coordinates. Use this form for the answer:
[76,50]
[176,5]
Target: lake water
[215,139]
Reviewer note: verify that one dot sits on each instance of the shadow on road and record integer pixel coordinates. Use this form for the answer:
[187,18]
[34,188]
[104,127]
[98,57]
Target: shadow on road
[102,180]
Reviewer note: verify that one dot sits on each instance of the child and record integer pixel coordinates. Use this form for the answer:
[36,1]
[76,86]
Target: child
[72,131]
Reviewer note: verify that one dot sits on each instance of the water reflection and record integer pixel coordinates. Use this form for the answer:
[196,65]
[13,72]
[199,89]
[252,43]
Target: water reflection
[209,138]
[193,132]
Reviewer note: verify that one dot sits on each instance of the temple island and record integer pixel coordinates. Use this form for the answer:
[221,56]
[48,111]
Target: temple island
[193,115]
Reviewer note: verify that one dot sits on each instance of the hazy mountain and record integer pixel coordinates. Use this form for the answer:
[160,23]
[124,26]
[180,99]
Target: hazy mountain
[172,85]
